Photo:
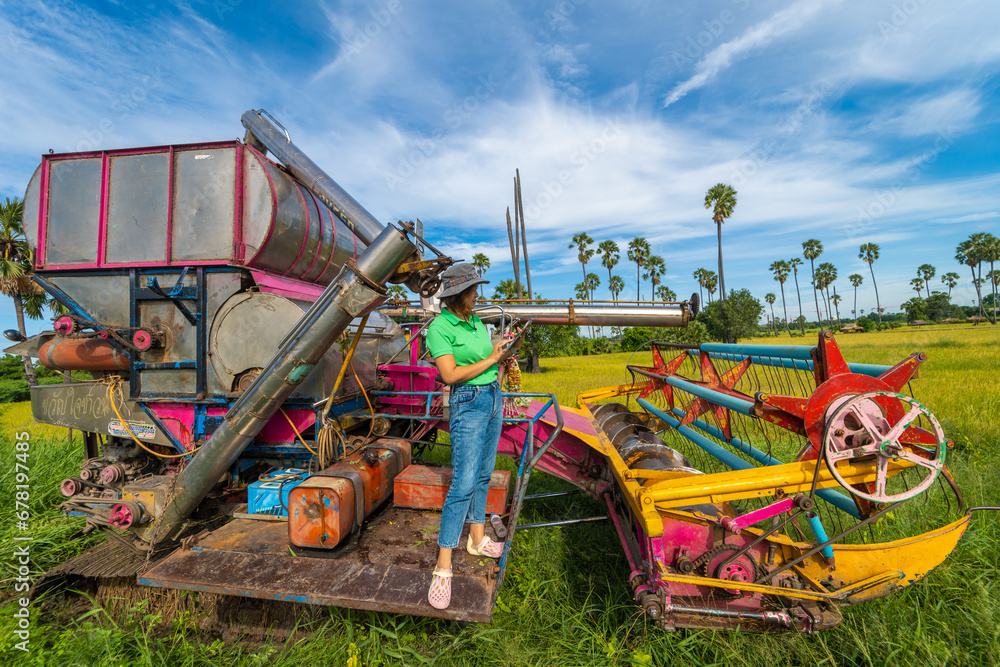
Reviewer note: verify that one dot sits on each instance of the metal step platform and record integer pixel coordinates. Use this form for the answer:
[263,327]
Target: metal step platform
[387,568]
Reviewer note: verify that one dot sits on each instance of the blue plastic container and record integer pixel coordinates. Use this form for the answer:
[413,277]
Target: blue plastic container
[271,497]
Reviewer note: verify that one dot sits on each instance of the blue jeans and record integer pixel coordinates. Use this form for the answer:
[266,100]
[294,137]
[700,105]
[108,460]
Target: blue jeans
[476,418]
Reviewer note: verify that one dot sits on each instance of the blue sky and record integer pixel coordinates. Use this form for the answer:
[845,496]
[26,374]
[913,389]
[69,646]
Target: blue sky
[849,122]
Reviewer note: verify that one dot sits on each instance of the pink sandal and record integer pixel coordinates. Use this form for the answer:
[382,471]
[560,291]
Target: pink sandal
[487,548]
[439,595]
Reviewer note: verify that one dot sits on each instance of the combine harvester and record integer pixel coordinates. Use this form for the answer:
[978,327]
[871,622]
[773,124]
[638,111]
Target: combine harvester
[254,416]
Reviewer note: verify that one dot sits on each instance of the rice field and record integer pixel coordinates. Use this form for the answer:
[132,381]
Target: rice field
[566,599]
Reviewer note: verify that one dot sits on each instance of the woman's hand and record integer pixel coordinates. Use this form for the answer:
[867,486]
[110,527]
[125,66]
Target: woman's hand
[498,351]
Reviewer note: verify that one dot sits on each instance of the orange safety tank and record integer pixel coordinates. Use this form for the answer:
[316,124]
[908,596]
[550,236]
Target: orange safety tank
[327,507]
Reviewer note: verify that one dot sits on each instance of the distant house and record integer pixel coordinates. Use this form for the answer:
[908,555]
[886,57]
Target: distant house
[920,323]
[851,328]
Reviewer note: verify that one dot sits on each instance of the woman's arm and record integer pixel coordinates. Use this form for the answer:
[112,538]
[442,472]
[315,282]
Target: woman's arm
[454,374]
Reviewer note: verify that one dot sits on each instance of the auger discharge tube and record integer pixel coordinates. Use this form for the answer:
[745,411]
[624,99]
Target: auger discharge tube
[364,225]
[667,315]
[354,295]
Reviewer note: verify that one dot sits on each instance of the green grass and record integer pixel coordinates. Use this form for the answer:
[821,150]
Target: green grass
[566,599]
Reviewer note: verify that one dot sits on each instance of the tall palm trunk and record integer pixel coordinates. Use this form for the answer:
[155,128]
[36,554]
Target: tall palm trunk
[785,308]
[878,304]
[638,285]
[29,371]
[855,311]
[798,295]
[812,267]
[722,278]
[994,284]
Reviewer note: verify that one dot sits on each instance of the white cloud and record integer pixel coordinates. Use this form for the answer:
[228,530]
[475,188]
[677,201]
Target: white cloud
[755,38]
[954,111]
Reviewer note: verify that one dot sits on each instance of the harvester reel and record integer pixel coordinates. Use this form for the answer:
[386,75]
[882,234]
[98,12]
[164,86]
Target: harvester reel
[859,430]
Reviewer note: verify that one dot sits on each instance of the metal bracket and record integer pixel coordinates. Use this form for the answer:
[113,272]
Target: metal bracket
[174,295]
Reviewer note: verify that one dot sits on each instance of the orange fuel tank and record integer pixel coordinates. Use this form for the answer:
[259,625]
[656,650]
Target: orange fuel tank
[327,507]
[81,354]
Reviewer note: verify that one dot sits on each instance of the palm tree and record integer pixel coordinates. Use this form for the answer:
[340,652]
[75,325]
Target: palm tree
[582,243]
[780,269]
[990,246]
[581,291]
[638,252]
[655,268]
[926,271]
[609,254]
[616,285]
[593,281]
[770,298]
[812,249]
[507,289]
[967,253]
[869,253]
[699,275]
[829,277]
[951,280]
[711,282]
[666,294]
[795,263]
[856,280]
[481,262]
[722,199]
[16,261]
[822,282]
[835,300]
[917,284]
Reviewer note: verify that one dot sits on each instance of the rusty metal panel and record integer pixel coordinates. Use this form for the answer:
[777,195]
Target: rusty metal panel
[421,487]
[104,297]
[74,212]
[32,206]
[204,204]
[388,569]
[182,341]
[137,208]
[86,407]
[220,286]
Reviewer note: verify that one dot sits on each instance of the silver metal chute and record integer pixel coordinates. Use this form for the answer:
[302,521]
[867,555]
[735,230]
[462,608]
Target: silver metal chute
[666,315]
[264,133]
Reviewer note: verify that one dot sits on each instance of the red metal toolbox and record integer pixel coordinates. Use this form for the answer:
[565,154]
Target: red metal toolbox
[420,487]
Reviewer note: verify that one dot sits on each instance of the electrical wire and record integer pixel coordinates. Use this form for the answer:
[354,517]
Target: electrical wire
[371,427]
[115,391]
[301,439]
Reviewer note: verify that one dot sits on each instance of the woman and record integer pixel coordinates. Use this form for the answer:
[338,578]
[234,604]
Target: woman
[467,360]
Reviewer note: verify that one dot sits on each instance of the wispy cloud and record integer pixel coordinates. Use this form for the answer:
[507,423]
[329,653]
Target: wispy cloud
[757,37]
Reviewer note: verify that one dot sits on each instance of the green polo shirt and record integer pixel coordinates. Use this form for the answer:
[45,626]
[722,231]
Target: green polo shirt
[468,342]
